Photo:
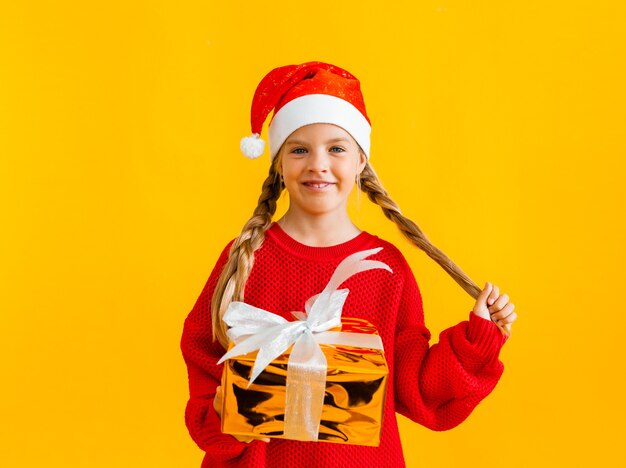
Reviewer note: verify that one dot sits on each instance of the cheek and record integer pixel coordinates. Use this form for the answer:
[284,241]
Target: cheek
[291,168]
[348,172]
[289,177]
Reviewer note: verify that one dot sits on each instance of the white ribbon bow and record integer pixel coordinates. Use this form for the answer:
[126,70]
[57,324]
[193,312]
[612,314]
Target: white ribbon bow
[253,328]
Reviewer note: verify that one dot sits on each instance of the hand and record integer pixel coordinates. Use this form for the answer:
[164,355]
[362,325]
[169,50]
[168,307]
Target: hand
[217,404]
[492,305]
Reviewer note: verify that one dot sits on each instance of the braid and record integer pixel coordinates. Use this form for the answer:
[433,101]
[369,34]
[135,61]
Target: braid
[231,283]
[371,185]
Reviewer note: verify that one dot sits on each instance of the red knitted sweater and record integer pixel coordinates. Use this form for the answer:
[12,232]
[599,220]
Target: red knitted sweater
[436,386]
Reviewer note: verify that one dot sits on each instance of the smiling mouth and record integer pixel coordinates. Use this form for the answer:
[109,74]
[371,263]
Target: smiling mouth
[318,185]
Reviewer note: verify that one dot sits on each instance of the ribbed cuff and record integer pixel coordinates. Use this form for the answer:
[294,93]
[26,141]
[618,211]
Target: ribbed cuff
[222,447]
[485,335]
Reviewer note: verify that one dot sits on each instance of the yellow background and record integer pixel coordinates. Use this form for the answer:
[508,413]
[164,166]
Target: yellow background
[497,126]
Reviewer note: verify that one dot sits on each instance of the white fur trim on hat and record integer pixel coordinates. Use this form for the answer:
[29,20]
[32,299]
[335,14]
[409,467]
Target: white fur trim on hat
[318,108]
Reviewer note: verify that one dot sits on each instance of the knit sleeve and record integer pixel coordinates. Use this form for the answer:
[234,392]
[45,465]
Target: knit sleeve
[201,354]
[439,386]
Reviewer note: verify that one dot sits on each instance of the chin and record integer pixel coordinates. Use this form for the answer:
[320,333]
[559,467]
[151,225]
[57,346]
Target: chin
[321,210]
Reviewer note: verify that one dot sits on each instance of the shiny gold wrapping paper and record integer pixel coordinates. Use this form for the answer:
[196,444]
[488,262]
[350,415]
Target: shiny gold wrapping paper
[356,383]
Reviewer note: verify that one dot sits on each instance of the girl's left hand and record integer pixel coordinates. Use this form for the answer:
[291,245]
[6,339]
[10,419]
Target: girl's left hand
[492,305]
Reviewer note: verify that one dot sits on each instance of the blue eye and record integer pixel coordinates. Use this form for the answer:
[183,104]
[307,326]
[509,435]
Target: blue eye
[332,149]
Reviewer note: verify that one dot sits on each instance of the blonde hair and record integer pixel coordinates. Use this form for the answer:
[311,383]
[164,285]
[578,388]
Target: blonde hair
[371,185]
[231,283]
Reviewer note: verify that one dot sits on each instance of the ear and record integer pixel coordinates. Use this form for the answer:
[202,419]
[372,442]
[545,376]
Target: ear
[362,162]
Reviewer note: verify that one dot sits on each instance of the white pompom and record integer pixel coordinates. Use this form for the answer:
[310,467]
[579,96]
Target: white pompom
[252,146]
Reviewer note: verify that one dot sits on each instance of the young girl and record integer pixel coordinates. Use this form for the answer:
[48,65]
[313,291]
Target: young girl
[319,149]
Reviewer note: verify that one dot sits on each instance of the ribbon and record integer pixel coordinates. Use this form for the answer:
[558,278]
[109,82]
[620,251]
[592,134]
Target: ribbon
[252,328]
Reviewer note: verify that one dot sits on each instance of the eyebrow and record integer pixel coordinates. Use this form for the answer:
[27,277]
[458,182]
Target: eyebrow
[334,140]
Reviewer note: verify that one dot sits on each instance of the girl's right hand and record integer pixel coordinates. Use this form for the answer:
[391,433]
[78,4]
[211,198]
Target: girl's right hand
[217,404]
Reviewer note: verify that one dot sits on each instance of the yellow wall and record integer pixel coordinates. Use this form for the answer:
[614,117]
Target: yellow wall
[497,126]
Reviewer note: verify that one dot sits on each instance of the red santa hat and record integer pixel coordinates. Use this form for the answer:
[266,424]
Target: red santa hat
[312,92]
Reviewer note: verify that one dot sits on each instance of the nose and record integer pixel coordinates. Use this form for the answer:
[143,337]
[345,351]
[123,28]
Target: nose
[318,160]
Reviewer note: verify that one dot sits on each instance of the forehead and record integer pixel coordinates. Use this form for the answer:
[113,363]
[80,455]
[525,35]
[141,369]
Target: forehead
[319,131]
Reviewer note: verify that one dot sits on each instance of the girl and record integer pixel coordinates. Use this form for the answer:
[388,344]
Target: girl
[319,149]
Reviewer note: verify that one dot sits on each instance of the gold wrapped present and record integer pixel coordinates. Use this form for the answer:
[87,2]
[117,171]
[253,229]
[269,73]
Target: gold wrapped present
[354,396]
[302,379]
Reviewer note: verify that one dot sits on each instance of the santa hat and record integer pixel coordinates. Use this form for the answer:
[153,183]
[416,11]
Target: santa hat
[312,92]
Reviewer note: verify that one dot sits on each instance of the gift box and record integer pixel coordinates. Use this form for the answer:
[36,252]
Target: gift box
[321,377]
[354,394]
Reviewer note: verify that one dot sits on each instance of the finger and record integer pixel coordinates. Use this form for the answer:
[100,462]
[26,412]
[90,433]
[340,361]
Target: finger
[248,439]
[482,296]
[495,292]
[509,319]
[502,300]
[243,438]
[217,401]
[217,406]
[503,312]
[499,304]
